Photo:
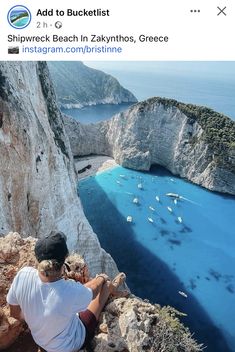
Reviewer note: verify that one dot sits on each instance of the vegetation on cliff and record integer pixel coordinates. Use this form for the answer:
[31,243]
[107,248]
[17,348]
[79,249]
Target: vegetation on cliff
[218,129]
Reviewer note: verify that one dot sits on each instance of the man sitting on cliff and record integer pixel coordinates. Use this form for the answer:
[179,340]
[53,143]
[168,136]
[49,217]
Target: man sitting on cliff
[61,314]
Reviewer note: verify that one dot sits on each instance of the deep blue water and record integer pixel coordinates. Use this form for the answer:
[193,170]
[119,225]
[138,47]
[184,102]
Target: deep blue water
[211,84]
[95,113]
[161,258]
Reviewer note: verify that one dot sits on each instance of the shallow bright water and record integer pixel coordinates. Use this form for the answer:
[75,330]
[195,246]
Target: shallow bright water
[161,258]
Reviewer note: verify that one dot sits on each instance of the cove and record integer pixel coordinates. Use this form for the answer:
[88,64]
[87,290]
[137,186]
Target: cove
[166,256]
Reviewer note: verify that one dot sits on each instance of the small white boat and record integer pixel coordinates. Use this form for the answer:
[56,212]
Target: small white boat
[157,199]
[129,218]
[173,195]
[169,209]
[140,186]
[151,208]
[123,176]
[183,294]
[175,201]
[118,182]
[150,220]
[180,219]
[136,200]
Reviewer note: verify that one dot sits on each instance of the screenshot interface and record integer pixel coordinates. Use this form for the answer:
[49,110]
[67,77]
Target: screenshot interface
[117,128]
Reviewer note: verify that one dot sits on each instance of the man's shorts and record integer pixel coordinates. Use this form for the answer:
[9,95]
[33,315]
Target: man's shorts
[89,321]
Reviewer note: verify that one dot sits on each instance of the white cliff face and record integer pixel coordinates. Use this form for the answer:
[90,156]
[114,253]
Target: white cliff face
[37,179]
[85,139]
[155,133]
[78,85]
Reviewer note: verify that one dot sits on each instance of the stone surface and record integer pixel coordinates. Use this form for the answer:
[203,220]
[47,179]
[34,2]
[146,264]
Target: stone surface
[126,324]
[78,85]
[155,133]
[15,252]
[37,180]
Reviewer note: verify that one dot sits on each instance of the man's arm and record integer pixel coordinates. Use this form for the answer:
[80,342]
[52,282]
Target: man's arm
[15,312]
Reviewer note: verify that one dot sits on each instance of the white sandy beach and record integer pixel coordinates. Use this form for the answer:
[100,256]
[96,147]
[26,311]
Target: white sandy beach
[98,163]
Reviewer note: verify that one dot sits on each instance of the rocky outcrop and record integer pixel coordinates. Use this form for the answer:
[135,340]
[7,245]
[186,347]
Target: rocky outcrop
[190,141]
[126,325]
[86,139]
[78,85]
[37,179]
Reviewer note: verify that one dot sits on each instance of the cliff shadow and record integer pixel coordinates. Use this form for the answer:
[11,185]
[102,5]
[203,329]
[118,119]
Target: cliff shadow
[147,276]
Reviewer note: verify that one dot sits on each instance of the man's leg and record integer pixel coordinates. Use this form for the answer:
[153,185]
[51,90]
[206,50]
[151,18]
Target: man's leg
[97,304]
[110,287]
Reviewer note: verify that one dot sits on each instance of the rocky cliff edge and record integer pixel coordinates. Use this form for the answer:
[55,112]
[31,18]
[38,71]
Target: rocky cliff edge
[126,325]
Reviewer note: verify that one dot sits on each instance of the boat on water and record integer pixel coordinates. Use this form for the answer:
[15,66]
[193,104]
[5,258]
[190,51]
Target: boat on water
[136,200]
[129,218]
[140,186]
[180,219]
[151,208]
[118,182]
[169,209]
[173,195]
[150,220]
[183,294]
[157,199]
[175,201]
[123,176]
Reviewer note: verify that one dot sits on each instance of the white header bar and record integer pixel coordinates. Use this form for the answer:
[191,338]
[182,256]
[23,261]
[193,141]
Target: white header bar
[108,30]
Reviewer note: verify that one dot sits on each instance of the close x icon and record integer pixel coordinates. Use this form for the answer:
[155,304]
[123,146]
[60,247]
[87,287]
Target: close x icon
[222,11]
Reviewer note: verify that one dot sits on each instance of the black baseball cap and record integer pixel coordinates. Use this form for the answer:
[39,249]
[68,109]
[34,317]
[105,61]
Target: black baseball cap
[52,246]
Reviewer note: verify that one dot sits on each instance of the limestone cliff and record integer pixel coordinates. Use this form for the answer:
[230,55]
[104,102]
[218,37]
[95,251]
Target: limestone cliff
[78,85]
[37,179]
[190,141]
[126,325]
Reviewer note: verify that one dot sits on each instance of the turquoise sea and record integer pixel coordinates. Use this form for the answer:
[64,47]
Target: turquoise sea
[190,249]
[21,22]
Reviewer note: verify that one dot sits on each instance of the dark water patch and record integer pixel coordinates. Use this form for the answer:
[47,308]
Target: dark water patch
[192,284]
[175,242]
[186,229]
[163,221]
[228,278]
[147,275]
[230,288]
[164,232]
[215,274]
